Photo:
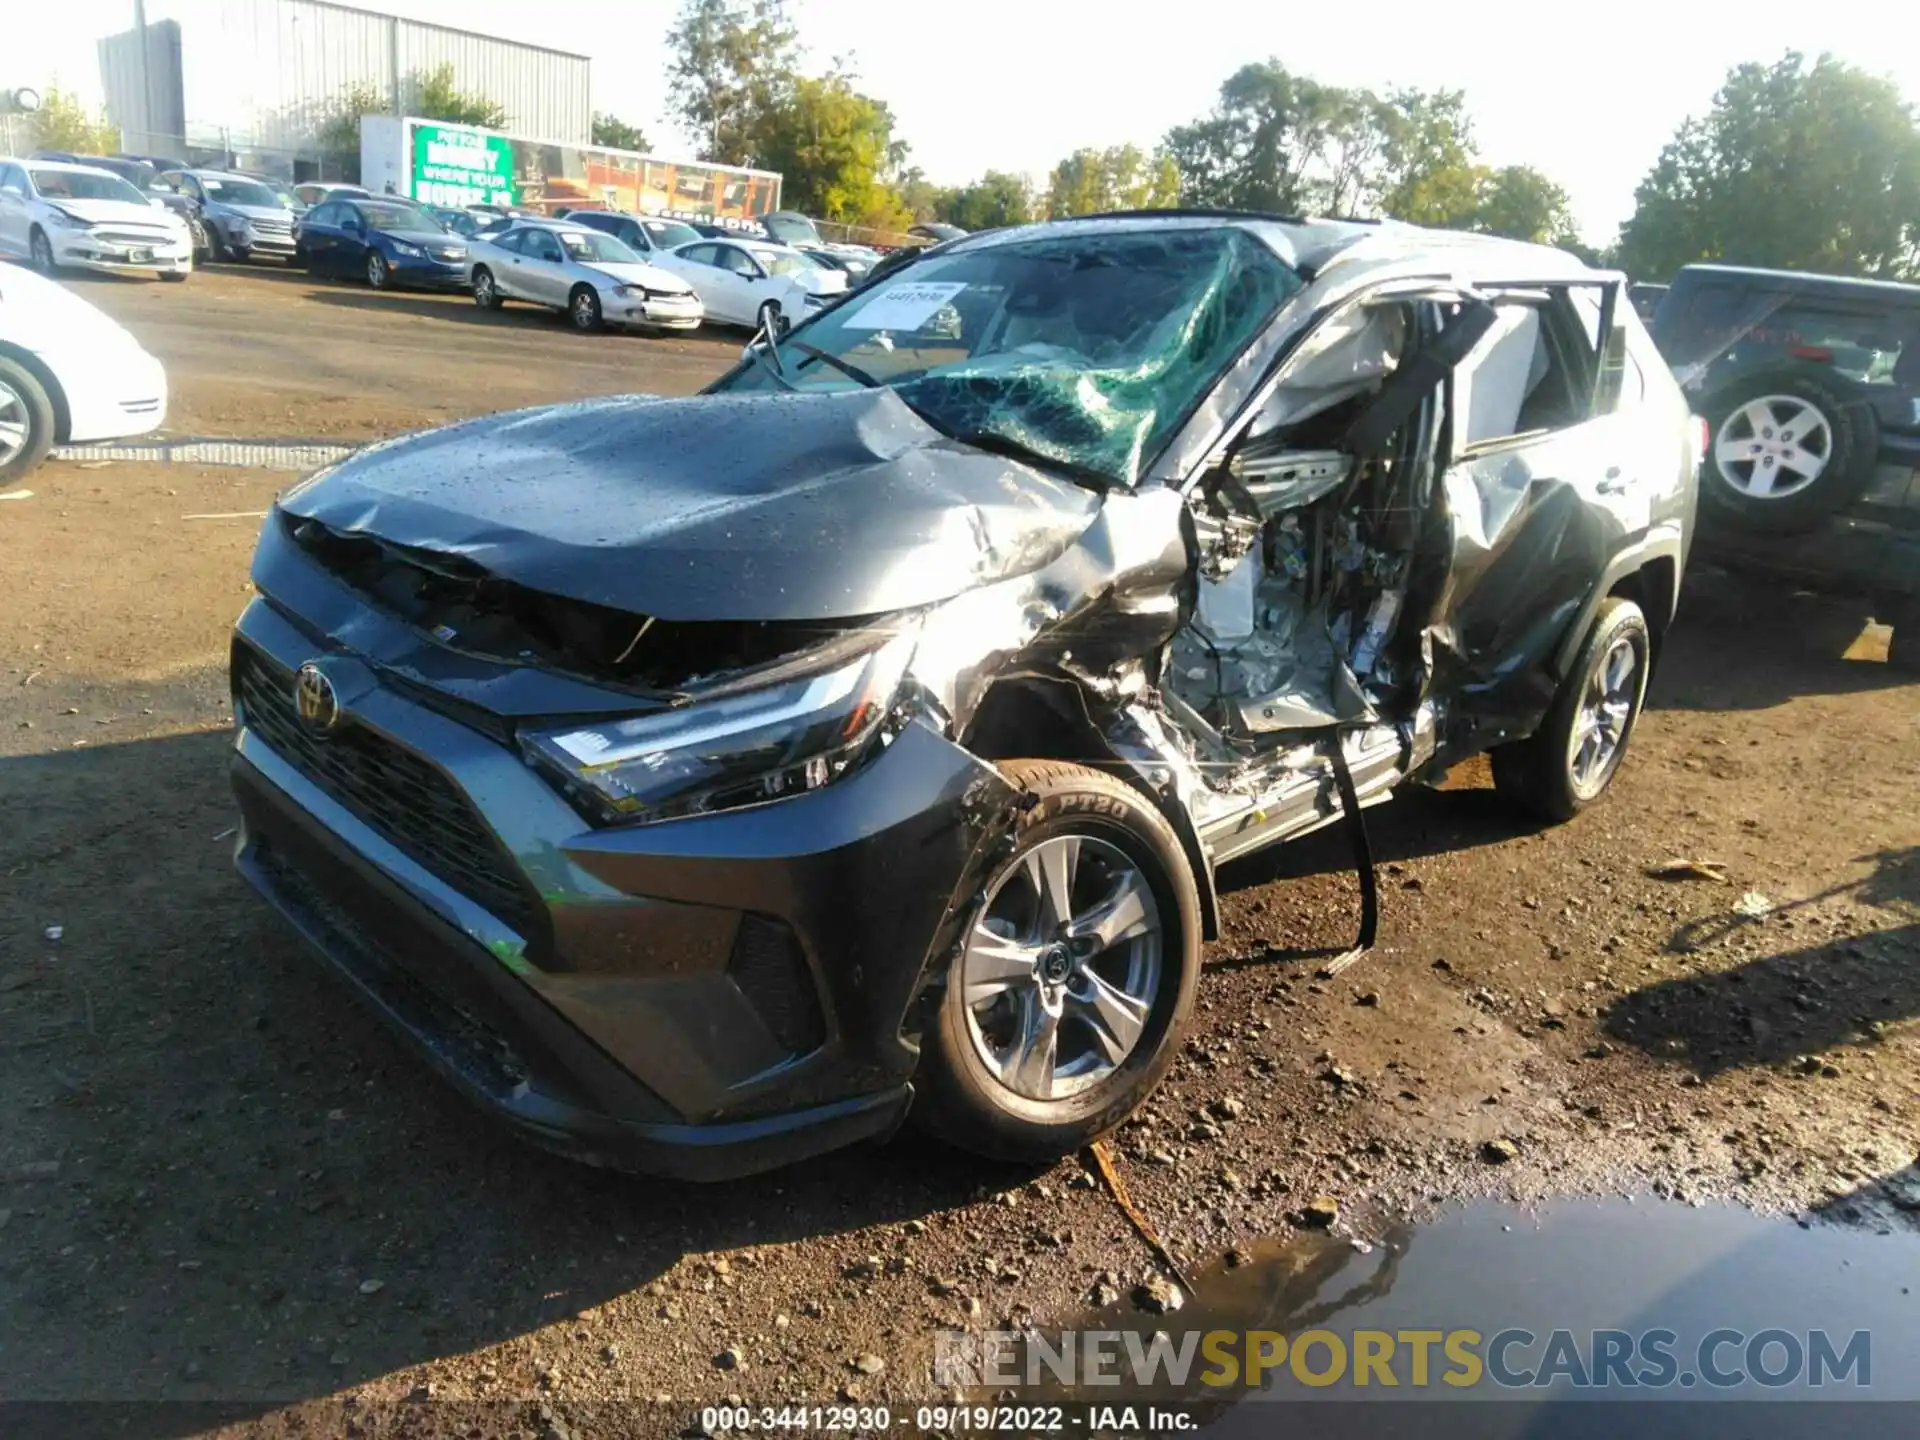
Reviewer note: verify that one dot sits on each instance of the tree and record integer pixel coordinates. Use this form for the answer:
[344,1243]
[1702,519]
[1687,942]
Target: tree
[1254,150]
[617,134]
[835,150]
[1091,182]
[732,64]
[1520,203]
[336,135]
[1795,167]
[435,98]
[1428,176]
[997,198]
[62,123]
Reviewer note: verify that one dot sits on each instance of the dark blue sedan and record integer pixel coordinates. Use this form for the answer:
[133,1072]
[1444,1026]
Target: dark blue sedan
[386,241]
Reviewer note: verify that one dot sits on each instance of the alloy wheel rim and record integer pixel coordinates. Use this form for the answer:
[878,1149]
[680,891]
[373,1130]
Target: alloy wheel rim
[1774,446]
[42,252]
[376,270]
[483,289]
[1606,708]
[583,310]
[1061,967]
[15,426]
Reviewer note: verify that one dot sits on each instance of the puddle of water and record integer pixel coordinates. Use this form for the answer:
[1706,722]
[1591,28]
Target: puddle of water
[250,454]
[1692,1305]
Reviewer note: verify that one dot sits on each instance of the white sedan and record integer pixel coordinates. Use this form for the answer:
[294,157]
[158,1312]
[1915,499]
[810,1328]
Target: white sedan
[67,373]
[56,214]
[594,279]
[747,282]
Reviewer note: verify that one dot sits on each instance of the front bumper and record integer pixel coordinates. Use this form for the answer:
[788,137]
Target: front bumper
[112,391]
[132,255]
[702,998]
[431,274]
[656,314]
[277,244]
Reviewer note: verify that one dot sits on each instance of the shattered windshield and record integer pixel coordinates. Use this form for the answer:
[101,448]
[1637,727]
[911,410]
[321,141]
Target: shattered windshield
[1086,350]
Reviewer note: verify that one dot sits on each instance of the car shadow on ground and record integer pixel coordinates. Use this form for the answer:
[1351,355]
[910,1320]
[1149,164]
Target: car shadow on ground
[259,1195]
[1788,1007]
[452,305]
[1739,643]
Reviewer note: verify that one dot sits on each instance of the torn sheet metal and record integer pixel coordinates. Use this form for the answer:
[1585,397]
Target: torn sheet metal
[662,507]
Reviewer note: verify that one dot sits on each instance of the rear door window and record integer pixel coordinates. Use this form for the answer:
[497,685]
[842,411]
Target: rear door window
[1532,374]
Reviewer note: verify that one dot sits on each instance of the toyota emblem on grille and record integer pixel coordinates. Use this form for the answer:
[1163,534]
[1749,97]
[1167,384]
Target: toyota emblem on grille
[315,700]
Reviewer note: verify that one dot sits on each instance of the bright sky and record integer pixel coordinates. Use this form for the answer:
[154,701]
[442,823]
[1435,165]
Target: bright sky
[1586,93]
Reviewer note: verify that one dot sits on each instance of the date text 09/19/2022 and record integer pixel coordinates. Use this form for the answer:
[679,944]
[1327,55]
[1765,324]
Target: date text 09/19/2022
[942,1419]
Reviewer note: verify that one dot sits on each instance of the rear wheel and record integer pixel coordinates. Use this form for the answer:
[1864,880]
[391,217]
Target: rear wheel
[1903,651]
[378,275]
[1066,996]
[583,309]
[26,420]
[1569,762]
[485,293]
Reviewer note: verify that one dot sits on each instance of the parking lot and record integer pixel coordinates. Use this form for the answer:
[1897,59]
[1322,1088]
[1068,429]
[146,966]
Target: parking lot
[219,1180]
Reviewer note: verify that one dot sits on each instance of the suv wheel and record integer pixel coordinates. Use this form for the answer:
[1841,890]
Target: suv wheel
[1069,989]
[1903,651]
[26,421]
[1788,449]
[1569,762]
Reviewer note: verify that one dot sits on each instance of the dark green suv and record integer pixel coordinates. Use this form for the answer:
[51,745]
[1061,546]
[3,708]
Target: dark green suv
[1810,385]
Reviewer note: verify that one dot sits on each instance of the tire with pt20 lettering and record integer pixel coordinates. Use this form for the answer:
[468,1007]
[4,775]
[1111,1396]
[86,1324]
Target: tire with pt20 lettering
[1074,974]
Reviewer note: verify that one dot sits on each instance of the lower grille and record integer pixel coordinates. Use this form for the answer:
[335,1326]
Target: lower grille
[772,973]
[396,792]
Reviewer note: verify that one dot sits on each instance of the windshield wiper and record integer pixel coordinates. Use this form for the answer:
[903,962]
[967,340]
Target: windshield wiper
[853,372]
[996,443]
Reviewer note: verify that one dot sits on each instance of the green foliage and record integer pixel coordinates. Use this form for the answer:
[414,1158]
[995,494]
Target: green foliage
[731,66]
[433,97]
[1519,202]
[1089,182]
[1802,168]
[337,132]
[996,199]
[833,146]
[1427,174]
[617,134]
[62,123]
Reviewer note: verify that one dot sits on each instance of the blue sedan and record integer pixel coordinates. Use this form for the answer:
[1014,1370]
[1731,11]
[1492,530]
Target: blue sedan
[388,242]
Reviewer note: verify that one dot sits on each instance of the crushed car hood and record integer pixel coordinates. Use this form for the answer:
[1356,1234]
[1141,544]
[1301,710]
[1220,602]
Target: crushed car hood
[815,506]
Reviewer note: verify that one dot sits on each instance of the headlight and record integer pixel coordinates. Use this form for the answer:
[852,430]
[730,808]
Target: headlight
[68,222]
[401,247]
[783,738]
[623,291]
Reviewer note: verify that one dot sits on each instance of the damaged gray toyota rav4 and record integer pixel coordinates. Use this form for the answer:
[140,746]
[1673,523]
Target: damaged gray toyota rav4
[704,783]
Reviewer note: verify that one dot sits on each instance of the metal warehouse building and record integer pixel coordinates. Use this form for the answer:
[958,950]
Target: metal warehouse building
[253,79]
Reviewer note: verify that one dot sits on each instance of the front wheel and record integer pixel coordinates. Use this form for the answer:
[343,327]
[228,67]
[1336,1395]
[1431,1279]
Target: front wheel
[175,276]
[486,294]
[26,421]
[42,249]
[583,308]
[1068,991]
[1569,762]
[772,321]
[378,275]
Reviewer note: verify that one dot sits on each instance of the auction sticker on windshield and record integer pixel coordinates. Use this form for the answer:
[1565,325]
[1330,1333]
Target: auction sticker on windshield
[904,307]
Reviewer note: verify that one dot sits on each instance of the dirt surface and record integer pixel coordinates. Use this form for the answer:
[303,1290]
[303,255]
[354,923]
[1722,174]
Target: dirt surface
[219,1180]
[267,352]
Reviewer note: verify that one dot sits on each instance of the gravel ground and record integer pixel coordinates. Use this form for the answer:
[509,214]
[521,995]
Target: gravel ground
[219,1181]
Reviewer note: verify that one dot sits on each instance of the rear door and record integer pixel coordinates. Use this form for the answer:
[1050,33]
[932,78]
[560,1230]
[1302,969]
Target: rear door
[1539,496]
[13,209]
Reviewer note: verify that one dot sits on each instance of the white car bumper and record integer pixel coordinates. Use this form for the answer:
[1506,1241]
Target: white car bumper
[664,312]
[111,391]
[122,253]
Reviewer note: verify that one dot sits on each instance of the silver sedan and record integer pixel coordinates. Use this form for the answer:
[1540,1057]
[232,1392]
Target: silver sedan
[591,277]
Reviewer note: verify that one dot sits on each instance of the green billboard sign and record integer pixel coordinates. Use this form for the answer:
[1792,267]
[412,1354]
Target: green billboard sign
[453,165]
